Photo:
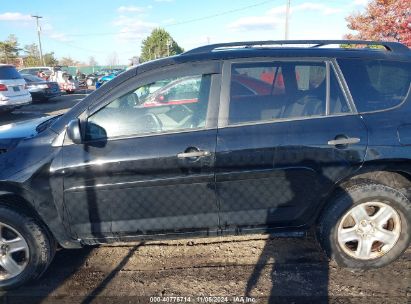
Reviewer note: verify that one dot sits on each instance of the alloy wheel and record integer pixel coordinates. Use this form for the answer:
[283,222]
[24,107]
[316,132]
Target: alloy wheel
[369,230]
[14,252]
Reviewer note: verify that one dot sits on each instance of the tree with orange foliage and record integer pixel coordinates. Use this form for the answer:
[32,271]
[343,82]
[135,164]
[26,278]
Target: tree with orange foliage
[386,20]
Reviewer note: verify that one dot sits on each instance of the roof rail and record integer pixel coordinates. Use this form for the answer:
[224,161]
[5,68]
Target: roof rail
[389,46]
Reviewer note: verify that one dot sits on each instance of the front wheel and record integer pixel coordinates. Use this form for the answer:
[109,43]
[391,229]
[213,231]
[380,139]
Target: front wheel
[26,249]
[368,225]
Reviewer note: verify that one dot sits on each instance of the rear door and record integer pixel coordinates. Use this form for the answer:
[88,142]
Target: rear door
[286,134]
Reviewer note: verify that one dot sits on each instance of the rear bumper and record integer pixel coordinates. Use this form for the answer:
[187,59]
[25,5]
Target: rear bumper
[14,102]
[39,95]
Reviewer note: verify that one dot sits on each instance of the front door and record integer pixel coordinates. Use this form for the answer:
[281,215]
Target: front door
[286,135]
[147,164]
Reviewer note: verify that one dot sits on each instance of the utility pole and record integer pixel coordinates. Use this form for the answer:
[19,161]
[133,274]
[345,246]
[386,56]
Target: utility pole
[287,17]
[38,33]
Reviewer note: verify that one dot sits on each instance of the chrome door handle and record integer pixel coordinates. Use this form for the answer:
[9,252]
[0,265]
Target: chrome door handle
[344,141]
[193,154]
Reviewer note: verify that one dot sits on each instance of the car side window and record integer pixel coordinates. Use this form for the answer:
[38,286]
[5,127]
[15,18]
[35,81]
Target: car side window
[376,84]
[338,102]
[162,106]
[276,90]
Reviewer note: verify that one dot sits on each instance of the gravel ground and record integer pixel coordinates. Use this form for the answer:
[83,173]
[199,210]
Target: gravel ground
[257,268]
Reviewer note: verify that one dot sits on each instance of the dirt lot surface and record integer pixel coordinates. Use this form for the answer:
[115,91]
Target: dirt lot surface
[286,270]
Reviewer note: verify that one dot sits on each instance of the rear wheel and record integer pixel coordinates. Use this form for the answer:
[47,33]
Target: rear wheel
[367,225]
[26,249]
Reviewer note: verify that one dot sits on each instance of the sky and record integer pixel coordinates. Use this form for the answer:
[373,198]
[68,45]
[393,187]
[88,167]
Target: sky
[83,28]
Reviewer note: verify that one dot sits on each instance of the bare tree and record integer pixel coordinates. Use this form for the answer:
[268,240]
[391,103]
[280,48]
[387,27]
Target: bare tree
[92,61]
[112,59]
[68,61]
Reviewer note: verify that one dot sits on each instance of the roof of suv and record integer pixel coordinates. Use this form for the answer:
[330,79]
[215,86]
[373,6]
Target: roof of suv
[389,46]
[258,49]
[287,48]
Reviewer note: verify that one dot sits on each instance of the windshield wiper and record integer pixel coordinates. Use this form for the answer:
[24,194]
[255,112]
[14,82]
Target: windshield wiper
[45,124]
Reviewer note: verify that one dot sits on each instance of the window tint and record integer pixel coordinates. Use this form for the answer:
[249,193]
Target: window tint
[309,77]
[278,90]
[9,72]
[162,106]
[376,84]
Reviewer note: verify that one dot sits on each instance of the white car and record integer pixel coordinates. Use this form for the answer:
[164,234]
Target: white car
[13,91]
[34,71]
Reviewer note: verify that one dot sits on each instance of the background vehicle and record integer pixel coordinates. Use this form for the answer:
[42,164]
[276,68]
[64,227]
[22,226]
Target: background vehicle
[249,138]
[81,80]
[109,75]
[40,89]
[92,78]
[13,92]
[65,81]
[35,70]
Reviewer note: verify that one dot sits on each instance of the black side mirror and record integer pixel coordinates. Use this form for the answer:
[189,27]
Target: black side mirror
[73,131]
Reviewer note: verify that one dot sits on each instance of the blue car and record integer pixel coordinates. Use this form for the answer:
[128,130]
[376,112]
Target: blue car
[106,78]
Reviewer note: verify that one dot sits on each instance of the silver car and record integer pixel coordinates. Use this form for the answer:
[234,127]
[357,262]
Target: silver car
[13,91]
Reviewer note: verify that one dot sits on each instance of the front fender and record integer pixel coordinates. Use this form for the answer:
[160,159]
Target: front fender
[19,197]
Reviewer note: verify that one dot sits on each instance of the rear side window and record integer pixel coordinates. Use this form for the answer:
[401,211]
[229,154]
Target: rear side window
[276,90]
[8,72]
[376,84]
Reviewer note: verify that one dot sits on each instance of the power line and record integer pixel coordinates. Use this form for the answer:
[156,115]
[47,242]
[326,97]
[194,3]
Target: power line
[82,48]
[221,14]
[174,24]
[75,46]
[182,22]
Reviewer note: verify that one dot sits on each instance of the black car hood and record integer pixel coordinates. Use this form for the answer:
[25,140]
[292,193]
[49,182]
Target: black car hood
[21,129]
[11,134]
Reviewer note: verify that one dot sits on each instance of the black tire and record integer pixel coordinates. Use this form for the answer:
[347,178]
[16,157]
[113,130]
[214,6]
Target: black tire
[353,195]
[41,246]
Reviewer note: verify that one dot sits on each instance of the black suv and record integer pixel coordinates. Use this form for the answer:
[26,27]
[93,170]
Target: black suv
[233,138]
